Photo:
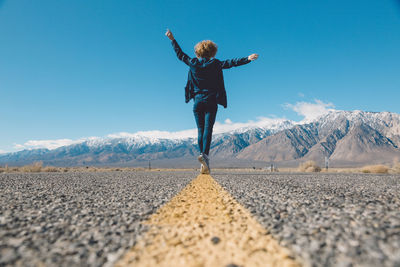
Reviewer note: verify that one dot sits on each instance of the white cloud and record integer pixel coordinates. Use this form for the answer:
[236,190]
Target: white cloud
[49,144]
[2,151]
[311,111]
[157,134]
[228,125]
[228,121]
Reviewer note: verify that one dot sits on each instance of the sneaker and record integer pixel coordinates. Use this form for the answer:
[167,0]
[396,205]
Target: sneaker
[202,171]
[203,158]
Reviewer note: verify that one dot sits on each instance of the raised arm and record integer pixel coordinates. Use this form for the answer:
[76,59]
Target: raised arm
[179,53]
[226,64]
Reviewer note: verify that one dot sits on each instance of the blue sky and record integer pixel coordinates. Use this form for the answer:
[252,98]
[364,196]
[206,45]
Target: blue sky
[71,69]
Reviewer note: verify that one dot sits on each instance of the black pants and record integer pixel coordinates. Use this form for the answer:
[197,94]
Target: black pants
[204,114]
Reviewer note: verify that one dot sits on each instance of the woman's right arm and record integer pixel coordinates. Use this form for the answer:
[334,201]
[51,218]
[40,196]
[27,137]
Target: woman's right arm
[180,54]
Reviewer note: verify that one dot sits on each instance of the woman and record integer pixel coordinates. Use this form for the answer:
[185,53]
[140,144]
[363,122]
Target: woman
[206,86]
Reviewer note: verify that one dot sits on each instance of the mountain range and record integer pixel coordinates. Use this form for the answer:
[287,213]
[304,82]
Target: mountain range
[346,138]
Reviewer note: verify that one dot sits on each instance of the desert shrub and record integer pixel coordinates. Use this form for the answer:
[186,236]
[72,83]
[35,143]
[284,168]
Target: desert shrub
[309,166]
[396,167]
[35,167]
[50,169]
[375,169]
[11,169]
[92,169]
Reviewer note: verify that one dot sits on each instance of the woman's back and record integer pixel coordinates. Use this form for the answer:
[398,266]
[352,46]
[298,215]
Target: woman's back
[205,74]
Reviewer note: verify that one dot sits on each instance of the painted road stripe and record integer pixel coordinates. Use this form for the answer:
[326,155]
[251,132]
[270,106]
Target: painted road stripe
[205,226]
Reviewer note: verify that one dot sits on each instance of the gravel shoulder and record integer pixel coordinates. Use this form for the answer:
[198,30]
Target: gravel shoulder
[78,219]
[326,219]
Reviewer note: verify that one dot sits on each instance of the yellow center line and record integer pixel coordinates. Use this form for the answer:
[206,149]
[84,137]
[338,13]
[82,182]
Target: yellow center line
[205,226]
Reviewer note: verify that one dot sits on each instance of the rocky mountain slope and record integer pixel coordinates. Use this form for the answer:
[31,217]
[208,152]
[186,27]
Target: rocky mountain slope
[346,138]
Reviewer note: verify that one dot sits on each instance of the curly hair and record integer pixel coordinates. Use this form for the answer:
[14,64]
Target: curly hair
[206,49]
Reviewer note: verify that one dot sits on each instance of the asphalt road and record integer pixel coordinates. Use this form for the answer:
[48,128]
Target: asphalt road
[326,219]
[78,219]
[91,219]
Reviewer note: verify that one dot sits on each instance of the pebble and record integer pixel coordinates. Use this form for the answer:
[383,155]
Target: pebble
[215,240]
[8,255]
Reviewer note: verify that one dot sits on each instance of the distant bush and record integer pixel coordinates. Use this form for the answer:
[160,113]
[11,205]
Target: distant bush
[396,168]
[35,167]
[309,166]
[50,169]
[10,169]
[38,167]
[375,169]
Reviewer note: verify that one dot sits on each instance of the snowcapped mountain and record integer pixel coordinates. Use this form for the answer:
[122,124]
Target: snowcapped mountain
[345,137]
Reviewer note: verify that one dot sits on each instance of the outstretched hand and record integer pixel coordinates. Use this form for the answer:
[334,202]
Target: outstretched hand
[253,57]
[169,35]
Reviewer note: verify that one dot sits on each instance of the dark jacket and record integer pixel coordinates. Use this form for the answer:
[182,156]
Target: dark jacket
[206,73]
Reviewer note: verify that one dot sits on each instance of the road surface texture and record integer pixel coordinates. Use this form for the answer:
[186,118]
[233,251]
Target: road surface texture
[326,219]
[204,226]
[78,219]
[94,219]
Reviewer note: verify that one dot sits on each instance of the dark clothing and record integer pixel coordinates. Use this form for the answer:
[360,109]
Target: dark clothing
[205,75]
[205,85]
[204,114]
